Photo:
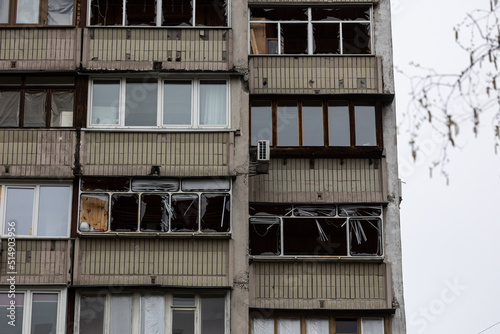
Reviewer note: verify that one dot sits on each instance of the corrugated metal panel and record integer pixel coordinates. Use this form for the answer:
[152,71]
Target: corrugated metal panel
[315,285]
[137,49]
[173,262]
[331,180]
[39,49]
[48,153]
[314,75]
[38,262]
[177,154]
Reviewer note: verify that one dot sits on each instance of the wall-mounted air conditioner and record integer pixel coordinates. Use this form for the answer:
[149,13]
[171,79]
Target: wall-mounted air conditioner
[263,151]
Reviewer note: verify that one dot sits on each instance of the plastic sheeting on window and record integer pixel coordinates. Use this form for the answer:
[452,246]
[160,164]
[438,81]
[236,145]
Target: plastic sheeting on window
[4,11]
[27,11]
[34,109]
[262,326]
[152,314]
[60,12]
[155,185]
[204,184]
[372,326]
[317,326]
[358,211]
[288,326]
[9,108]
[314,210]
[62,109]
[120,317]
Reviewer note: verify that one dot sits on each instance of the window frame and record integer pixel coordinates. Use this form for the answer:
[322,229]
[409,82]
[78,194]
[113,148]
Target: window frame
[326,149]
[4,187]
[195,124]
[168,307]
[158,23]
[48,88]
[280,219]
[42,16]
[310,31]
[332,318]
[28,306]
[170,193]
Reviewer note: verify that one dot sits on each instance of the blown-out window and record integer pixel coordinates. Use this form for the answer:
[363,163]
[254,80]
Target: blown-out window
[36,12]
[182,13]
[37,102]
[315,123]
[159,205]
[36,210]
[315,230]
[32,311]
[159,103]
[158,312]
[310,30]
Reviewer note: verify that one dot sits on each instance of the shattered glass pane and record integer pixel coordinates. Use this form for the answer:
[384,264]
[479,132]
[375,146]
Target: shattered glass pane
[215,212]
[294,38]
[177,13]
[265,236]
[359,211]
[204,185]
[356,38]
[105,184]
[155,185]
[140,13]
[314,210]
[365,236]
[124,210]
[106,12]
[268,209]
[314,236]
[185,217]
[344,13]
[211,13]
[155,212]
[93,212]
[326,38]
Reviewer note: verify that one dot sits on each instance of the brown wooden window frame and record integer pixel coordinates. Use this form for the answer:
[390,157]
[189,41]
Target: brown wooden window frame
[43,13]
[332,319]
[325,150]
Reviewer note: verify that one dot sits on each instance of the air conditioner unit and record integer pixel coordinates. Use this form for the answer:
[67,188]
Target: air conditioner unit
[263,151]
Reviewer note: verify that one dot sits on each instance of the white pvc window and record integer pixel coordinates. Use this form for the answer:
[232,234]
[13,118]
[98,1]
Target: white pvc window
[38,211]
[36,311]
[158,103]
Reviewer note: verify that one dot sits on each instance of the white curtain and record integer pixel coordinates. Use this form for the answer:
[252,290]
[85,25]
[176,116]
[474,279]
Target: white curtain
[121,314]
[262,326]
[317,326]
[288,326]
[372,326]
[213,103]
[152,314]
[60,12]
[10,113]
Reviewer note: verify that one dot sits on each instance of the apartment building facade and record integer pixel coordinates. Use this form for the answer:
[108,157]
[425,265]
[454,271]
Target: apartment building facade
[198,166]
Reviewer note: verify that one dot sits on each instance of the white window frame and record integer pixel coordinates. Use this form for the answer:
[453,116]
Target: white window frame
[36,204]
[195,107]
[168,309]
[310,33]
[158,17]
[28,305]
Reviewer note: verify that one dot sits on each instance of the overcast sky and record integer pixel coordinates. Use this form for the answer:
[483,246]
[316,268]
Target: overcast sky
[450,234]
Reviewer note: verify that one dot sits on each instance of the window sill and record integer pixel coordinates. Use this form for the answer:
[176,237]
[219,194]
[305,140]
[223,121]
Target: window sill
[155,129]
[368,152]
[167,235]
[375,259]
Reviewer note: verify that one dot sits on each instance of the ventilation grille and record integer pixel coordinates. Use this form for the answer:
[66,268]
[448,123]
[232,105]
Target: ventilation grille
[263,150]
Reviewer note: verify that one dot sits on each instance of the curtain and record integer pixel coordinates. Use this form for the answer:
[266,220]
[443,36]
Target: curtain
[317,326]
[121,314]
[372,326]
[60,12]
[34,109]
[152,314]
[262,326]
[288,326]
[62,109]
[10,108]
[212,102]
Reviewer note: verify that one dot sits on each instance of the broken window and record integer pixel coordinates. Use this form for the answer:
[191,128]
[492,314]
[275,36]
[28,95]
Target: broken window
[133,102]
[38,102]
[315,123]
[155,205]
[211,13]
[311,30]
[315,230]
[37,12]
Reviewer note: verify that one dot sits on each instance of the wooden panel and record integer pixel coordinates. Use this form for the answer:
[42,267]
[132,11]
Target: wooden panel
[314,75]
[177,154]
[39,49]
[172,262]
[315,285]
[38,261]
[25,153]
[331,180]
[138,49]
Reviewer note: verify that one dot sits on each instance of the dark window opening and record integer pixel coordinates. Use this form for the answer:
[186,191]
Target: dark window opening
[214,212]
[105,184]
[124,208]
[155,212]
[265,236]
[185,218]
